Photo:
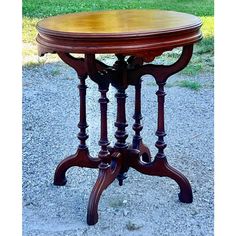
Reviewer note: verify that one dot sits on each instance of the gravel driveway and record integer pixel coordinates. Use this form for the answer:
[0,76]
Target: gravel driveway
[144,205]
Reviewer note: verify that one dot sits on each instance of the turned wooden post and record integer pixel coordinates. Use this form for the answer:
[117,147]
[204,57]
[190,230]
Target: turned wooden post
[160,133]
[120,123]
[82,135]
[103,142]
[137,126]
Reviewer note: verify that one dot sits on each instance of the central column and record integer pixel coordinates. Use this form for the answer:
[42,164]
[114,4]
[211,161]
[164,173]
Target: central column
[120,83]
[121,134]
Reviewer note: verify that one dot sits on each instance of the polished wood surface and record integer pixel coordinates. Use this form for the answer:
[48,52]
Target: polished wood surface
[112,23]
[118,31]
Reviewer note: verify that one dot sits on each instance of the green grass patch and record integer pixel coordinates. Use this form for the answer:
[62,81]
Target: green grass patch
[33,64]
[189,84]
[193,69]
[116,203]
[55,72]
[208,26]
[203,55]
[44,8]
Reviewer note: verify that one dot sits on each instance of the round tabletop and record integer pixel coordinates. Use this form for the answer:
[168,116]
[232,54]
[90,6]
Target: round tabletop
[118,31]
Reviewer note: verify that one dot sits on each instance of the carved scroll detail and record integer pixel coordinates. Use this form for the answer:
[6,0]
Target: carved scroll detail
[162,72]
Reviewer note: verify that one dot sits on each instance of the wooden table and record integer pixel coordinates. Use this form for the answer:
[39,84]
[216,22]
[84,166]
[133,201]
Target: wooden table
[136,37]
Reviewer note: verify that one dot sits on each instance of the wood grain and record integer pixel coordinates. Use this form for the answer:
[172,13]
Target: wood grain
[117,31]
[117,22]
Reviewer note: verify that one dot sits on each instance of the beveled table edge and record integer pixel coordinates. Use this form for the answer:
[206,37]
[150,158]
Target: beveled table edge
[133,43]
[128,47]
[122,35]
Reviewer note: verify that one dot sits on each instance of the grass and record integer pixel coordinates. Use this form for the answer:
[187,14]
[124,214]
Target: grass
[28,30]
[33,64]
[55,72]
[116,203]
[202,60]
[189,84]
[44,8]
[193,85]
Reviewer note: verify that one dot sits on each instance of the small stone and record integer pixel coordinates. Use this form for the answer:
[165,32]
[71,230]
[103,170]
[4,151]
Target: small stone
[125,212]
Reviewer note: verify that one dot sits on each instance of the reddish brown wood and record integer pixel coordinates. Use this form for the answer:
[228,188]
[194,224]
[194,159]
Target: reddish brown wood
[137,143]
[81,158]
[103,142]
[162,72]
[107,174]
[160,167]
[120,123]
[160,144]
[121,32]
[141,41]
[137,126]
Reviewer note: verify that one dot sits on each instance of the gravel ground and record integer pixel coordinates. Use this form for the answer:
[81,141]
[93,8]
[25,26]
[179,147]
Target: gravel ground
[144,205]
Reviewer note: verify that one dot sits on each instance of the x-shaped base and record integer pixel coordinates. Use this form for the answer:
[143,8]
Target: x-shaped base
[109,172]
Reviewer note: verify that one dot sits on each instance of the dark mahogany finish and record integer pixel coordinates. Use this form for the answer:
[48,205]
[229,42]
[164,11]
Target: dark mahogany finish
[160,32]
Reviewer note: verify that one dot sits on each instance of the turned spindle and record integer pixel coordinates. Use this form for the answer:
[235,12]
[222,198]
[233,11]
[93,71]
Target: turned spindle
[160,133]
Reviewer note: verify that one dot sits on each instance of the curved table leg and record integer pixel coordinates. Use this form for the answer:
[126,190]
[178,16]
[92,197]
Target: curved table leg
[107,174]
[80,159]
[185,194]
[160,167]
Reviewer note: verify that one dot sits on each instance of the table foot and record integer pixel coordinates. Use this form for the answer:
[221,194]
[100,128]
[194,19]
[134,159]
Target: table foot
[80,159]
[160,167]
[107,174]
[185,195]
